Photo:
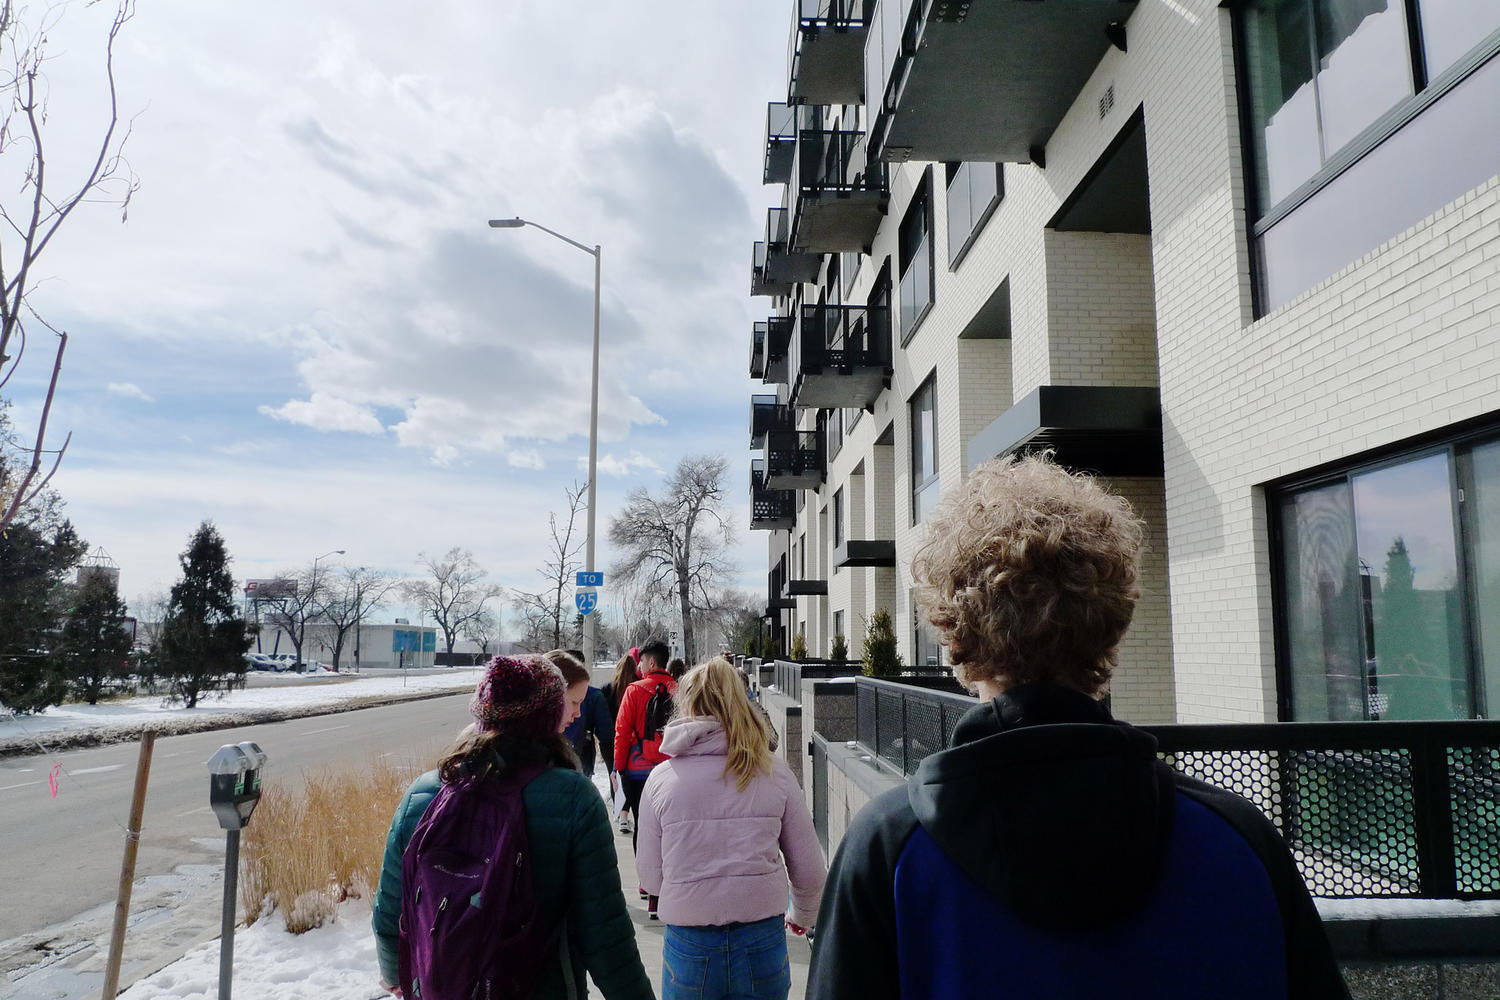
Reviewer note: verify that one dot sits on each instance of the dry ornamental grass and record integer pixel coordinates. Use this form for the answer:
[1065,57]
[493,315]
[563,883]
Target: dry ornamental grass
[305,852]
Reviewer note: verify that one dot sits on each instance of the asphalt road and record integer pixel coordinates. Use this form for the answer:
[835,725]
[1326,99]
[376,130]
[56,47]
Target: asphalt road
[61,856]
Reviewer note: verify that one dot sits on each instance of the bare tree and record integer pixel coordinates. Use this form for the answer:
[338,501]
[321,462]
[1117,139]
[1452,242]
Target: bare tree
[483,630]
[678,540]
[297,607]
[347,599]
[42,204]
[150,611]
[543,612]
[454,592]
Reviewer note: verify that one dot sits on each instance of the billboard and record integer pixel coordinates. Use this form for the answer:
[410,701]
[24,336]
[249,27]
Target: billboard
[411,640]
[267,590]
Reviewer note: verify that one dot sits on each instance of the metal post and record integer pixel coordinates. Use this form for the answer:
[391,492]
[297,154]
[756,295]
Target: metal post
[127,867]
[226,927]
[588,556]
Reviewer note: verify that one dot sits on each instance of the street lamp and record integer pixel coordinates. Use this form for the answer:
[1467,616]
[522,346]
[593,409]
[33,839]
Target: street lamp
[588,555]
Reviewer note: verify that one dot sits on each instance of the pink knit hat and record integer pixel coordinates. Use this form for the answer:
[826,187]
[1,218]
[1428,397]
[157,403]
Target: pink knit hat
[523,695]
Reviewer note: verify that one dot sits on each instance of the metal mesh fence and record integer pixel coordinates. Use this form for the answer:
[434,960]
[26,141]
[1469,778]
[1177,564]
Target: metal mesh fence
[1367,809]
[1476,818]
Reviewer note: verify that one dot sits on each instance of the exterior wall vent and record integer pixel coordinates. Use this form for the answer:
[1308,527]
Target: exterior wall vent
[1107,101]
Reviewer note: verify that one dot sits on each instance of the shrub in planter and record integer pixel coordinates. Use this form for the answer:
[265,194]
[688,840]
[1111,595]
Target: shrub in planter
[840,651]
[799,647]
[882,659]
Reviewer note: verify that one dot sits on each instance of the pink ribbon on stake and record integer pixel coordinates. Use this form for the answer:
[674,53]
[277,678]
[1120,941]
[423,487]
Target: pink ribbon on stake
[52,778]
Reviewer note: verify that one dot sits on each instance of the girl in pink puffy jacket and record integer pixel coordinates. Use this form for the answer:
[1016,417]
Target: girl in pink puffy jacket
[722,825]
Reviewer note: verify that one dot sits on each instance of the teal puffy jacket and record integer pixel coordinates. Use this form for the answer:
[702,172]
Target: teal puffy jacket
[573,850]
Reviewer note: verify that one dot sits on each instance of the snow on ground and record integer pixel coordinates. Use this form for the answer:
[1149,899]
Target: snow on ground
[334,962]
[292,695]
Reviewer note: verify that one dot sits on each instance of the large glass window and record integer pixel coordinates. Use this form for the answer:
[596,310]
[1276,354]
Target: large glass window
[974,189]
[915,240]
[924,467]
[1390,588]
[927,652]
[838,517]
[1451,29]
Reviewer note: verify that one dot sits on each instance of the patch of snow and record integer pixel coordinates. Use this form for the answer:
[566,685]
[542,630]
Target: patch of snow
[1404,909]
[126,717]
[334,962]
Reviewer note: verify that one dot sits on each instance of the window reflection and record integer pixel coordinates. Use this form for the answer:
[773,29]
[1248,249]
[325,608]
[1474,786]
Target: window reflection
[1483,555]
[1452,28]
[1409,565]
[1363,66]
[1322,605]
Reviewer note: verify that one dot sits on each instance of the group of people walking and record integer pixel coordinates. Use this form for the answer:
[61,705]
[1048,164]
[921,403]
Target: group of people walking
[1047,853]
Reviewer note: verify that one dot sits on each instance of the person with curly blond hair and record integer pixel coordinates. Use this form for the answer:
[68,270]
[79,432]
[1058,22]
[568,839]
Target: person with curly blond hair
[1049,852]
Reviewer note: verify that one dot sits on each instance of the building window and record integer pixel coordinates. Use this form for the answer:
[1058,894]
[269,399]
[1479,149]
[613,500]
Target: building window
[838,517]
[915,239]
[835,431]
[838,627]
[974,191]
[927,651]
[1328,82]
[924,465]
[1388,588]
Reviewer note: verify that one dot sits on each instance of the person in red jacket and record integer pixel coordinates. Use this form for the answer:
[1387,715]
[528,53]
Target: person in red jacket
[637,751]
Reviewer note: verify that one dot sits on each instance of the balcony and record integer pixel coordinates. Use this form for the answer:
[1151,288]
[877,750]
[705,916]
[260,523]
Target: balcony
[807,588]
[781,142]
[827,52]
[794,459]
[768,413]
[865,552]
[778,347]
[770,509]
[774,268]
[955,81]
[840,356]
[776,595]
[1108,430]
[840,196]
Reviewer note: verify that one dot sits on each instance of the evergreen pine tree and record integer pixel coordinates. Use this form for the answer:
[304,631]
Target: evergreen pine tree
[95,642]
[203,641]
[36,552]
[882,658]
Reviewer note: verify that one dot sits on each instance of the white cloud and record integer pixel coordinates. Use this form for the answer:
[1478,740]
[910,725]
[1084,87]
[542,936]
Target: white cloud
[666,378]
[609,465]
[324,412]
[129,390]
[526,458]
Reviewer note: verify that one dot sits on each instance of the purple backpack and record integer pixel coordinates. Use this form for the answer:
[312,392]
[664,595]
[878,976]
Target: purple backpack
[470,925]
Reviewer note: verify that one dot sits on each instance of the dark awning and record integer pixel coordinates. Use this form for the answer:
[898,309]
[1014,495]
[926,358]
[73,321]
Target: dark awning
[1106,429]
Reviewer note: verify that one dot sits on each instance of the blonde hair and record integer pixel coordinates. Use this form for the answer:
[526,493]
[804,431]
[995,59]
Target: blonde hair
[1029,571]
[626,673]
[715,690]
[570,666]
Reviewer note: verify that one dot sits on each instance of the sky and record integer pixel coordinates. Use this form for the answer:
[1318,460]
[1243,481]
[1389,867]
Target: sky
[304,331]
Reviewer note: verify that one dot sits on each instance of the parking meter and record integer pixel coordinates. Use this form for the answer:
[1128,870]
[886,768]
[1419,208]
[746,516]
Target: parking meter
[233,790]
[234,783]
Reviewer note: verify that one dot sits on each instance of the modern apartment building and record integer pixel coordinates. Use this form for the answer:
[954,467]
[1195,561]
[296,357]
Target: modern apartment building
[1241,260]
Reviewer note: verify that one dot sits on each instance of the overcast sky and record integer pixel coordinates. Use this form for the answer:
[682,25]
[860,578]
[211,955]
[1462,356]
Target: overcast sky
[306,332]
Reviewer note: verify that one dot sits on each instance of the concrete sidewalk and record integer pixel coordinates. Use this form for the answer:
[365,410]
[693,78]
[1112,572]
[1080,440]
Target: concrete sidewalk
[648,932]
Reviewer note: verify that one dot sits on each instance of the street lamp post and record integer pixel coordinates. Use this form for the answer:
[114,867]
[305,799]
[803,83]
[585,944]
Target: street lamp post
[588,545]
[318,559]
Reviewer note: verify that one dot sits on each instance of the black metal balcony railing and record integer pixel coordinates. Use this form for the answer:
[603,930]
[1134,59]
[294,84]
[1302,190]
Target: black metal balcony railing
[840,195]
[794,459]
[767,413]
[789,674]
[781,142]
[1382,809]
[770,510]
[826,52]
[840,356]
[778,349]
[775,268]
[758,351]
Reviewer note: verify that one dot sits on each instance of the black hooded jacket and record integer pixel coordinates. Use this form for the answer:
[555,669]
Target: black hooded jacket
[1050,854]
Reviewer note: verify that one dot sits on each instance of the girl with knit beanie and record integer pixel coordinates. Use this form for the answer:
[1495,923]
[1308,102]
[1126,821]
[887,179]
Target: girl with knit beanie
[518,710]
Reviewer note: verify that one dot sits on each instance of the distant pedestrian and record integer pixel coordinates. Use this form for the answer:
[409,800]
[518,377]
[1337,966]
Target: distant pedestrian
[588,719]
[626,674]
[518,710]
[644,712]
[1049,853]
[722,826]
[677,666]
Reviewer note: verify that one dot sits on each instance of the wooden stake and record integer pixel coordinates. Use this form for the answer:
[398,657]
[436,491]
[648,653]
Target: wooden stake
[127,867]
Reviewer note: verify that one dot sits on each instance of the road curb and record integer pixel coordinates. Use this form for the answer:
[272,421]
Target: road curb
[77,739]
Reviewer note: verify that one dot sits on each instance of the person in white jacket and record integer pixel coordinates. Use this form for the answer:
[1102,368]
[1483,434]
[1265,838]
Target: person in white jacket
[722,826]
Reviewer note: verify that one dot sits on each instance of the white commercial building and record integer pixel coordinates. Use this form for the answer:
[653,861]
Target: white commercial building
[1240,259]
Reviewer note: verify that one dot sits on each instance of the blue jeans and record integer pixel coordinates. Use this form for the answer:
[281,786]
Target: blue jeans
[732,962]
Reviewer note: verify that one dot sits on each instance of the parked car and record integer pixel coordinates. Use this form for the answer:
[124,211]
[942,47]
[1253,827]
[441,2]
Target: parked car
[261,661]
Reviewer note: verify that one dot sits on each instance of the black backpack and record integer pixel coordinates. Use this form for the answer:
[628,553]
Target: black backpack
[658,713]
